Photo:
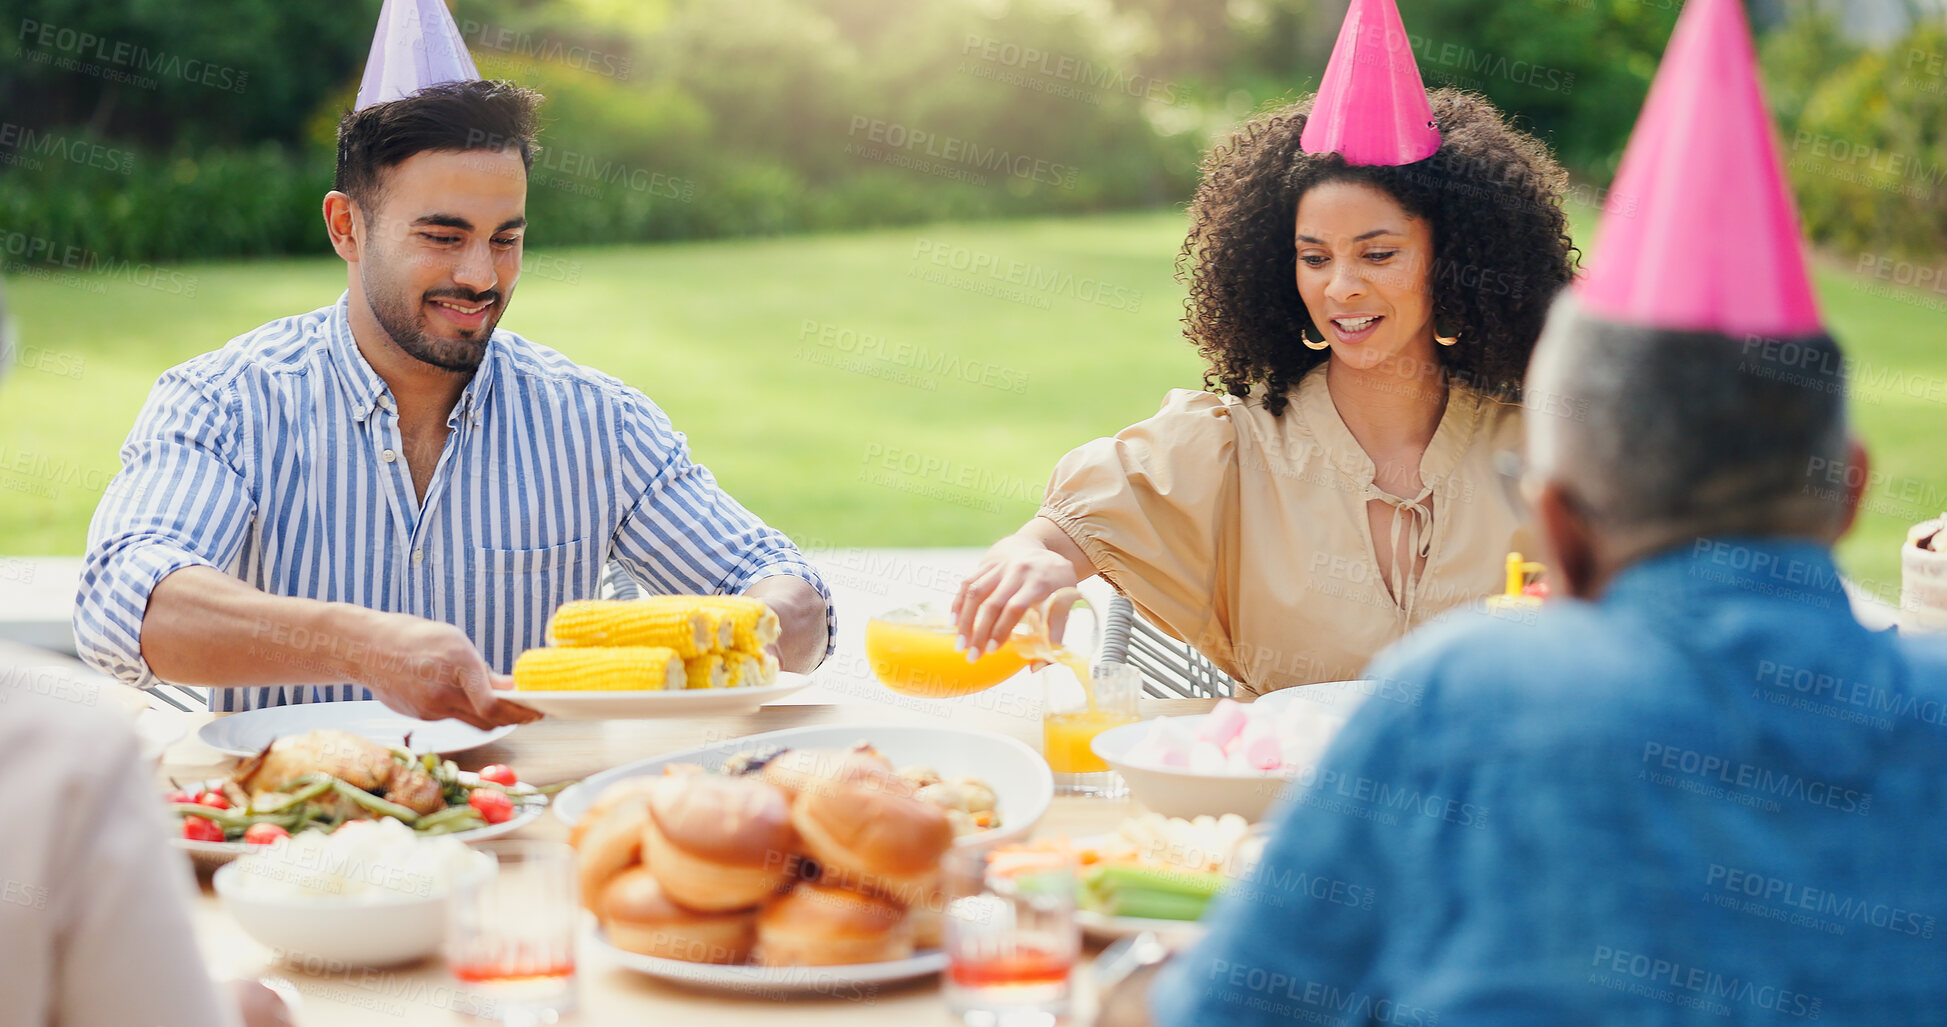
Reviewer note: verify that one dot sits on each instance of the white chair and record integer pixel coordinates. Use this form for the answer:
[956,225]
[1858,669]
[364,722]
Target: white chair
[618,583]
[1170,669]
[179,697]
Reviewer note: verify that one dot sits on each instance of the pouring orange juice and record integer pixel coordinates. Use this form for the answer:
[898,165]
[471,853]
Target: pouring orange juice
[1077,705]
[911,652]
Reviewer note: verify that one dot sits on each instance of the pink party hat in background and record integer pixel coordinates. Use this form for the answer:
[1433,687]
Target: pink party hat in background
[417,45]
[1700,233]
[1371,106]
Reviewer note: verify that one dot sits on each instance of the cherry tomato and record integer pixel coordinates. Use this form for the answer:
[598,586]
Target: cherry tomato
[495,807]
[179,796]
[213,800]
[500,774]
[199,829]
[263,834]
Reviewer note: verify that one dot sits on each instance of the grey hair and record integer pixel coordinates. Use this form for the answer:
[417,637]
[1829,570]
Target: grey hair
[1665,435]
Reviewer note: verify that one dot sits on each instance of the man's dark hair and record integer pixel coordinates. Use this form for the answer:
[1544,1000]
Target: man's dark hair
[453,116]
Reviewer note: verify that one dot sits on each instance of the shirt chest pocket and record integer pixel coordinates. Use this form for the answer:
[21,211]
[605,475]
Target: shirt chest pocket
[517,590]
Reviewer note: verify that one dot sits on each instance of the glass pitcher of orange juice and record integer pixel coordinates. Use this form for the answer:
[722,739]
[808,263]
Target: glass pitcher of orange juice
[910,649]
[911,652]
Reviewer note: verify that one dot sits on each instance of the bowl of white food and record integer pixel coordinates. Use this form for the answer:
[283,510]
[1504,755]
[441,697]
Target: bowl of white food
[1235,759]
[372,893]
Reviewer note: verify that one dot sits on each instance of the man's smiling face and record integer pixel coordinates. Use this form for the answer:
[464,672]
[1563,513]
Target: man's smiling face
[441,251]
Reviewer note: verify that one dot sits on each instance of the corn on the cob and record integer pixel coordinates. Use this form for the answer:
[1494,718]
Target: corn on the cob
[707,671]
[751,670]
[681,623]
[753,621]
[610,668]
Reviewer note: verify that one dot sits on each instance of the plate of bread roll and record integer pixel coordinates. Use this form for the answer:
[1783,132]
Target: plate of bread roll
[804,860]
[657,656]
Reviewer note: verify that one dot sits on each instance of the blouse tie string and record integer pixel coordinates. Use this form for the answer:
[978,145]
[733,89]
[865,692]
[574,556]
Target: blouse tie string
[1416,519]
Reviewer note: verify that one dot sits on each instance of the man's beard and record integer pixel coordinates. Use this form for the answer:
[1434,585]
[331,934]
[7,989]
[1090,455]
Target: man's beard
[406,324]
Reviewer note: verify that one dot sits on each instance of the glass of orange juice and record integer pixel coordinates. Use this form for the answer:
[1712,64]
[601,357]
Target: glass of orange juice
[1077,707]
[911,652]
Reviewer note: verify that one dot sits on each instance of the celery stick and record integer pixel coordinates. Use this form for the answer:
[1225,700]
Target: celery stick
[1149,892]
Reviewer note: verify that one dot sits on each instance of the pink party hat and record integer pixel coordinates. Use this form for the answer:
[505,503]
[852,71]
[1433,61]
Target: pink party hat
[1371,106]
[417,45]
[1699,233]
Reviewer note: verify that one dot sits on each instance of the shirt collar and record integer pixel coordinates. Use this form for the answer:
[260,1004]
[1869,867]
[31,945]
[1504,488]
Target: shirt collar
[472,404]
[363,386]
[368,392]
[1714,568]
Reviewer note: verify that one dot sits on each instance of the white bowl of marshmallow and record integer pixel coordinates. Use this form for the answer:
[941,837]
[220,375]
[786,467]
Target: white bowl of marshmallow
[1234,759]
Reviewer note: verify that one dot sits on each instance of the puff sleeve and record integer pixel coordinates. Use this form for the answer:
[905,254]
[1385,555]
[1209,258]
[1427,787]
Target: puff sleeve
[1153,509]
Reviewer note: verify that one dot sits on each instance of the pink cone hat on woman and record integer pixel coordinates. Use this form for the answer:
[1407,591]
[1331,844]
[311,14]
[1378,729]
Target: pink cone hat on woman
[1700,233]
[417,45]
[1371,106]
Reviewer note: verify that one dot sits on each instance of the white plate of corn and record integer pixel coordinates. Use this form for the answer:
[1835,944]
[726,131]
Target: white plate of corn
[659,656]
[621,704]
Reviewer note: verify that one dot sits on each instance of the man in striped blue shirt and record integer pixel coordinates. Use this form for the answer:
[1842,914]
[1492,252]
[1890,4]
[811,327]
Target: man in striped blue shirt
[386,497]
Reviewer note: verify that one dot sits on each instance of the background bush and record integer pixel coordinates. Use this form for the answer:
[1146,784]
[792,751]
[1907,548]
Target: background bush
[678,119]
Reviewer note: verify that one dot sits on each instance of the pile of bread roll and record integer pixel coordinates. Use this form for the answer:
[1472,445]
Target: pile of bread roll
[821,858]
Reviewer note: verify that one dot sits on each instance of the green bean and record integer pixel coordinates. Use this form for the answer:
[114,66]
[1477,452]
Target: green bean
[312,790]
[282,818]
[372,802]
[450,813]
[304,815]
[225,818]
[298,789]
[451,827]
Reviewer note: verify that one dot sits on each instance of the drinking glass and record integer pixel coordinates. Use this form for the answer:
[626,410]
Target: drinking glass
[1073,712]
[1011,936]
[510,936]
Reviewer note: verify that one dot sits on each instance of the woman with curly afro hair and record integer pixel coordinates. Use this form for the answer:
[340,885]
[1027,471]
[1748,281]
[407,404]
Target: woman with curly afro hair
[1367,327]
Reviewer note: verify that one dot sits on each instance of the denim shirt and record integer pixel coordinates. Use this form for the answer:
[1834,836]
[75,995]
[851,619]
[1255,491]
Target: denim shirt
[1709,796]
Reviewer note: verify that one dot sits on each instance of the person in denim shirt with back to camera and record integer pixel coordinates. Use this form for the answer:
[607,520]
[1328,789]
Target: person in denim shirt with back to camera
[1695,791]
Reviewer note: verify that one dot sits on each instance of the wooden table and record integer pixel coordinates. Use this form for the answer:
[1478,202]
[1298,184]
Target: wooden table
[554,750]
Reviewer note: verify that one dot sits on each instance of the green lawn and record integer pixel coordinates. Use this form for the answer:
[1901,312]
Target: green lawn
[939,428]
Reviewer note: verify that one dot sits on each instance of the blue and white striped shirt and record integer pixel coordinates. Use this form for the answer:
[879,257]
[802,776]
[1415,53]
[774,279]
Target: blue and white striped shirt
[278,458]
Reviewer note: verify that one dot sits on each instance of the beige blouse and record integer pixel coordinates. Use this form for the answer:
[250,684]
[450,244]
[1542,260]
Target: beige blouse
[1246,535]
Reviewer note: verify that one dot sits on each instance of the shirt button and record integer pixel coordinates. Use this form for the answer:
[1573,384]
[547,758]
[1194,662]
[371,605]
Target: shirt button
[388,456]
[419,556]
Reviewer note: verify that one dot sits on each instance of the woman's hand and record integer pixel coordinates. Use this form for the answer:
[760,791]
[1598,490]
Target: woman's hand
[1019,573]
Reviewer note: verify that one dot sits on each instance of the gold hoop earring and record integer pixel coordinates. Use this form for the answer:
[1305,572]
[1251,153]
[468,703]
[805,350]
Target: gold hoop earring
[1305,337]
[1445,340]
